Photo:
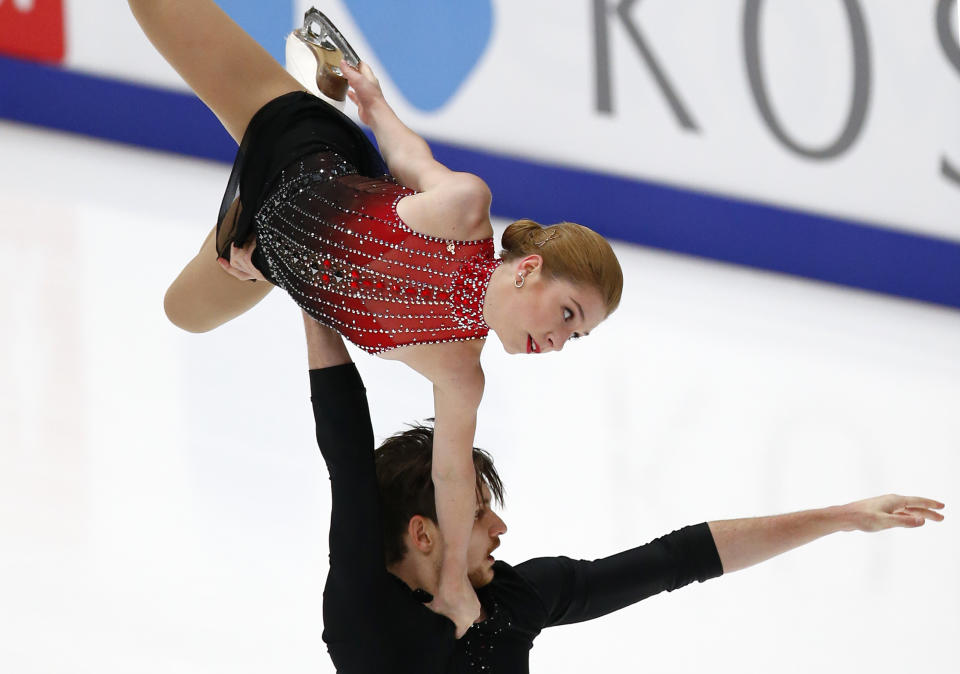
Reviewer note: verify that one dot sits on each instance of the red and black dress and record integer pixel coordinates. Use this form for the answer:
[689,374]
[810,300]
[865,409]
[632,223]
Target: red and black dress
[315,193]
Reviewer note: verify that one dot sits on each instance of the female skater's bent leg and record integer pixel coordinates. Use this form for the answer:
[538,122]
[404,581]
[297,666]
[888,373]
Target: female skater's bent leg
[223,65]
[203,296]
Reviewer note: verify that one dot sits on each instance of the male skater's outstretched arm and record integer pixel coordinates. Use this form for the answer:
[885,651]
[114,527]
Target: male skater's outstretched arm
[374,622]
[578,590]
[745,542]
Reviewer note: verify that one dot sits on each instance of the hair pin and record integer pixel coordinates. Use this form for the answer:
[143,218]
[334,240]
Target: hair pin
[539,244]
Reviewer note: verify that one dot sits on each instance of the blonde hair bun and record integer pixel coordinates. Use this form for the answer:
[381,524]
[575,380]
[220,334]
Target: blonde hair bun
[569,251]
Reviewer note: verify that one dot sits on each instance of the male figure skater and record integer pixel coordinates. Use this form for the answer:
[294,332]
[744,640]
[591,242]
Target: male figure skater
[385,547]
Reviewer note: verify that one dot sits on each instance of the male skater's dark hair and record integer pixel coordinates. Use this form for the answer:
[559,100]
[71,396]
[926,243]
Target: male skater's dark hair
[404,466]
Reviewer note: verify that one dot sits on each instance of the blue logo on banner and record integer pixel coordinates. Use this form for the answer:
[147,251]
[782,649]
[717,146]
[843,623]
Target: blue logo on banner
[267,22]
[428,47]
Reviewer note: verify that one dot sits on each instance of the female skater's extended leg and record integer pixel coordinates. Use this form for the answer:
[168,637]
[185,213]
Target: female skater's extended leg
[235,77]
[223,65]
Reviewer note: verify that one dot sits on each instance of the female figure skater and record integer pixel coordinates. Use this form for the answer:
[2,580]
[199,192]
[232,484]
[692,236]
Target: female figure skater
[402,264]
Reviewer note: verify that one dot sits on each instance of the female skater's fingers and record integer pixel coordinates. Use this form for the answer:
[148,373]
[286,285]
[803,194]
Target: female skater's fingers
[229,269]
[367,72]
[241,261]
[363,74]
[238,273]
[349,72]
[242,258]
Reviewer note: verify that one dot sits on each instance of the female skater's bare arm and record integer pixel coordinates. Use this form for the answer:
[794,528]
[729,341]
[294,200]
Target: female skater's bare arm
[745,542]
[451,204]
[407,155]
[454,369]
[455,487]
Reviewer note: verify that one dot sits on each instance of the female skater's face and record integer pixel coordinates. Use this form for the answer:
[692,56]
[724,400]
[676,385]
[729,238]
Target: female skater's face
[546,312]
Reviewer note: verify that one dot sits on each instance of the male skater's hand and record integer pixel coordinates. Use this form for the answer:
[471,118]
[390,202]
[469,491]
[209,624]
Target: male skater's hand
[240,265]
[884,512]
[744,542]
[364,89]
[458,603]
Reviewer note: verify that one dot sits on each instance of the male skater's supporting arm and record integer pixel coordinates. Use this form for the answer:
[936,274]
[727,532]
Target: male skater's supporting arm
[372,623]
[345,438]
[325,347]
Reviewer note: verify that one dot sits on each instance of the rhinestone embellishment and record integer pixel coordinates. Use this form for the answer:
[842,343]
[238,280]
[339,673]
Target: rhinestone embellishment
[334,241]
[480,640]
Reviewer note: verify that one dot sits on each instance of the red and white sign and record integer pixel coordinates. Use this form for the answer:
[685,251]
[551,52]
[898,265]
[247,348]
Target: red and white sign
[32,29]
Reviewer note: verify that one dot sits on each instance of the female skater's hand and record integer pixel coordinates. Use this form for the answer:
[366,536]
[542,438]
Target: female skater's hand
[364,89]
[240,265]
[892,510]
[460,604]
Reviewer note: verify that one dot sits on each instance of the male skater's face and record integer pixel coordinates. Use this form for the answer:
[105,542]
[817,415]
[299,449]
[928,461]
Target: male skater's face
[484,539]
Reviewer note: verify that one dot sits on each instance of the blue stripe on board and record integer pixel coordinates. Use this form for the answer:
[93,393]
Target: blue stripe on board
[768,237]
[107,108]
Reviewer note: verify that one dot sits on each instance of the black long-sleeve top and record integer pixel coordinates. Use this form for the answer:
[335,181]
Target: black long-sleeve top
[373,622]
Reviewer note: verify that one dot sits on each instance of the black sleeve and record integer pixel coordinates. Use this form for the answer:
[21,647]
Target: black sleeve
[372,623]
[345,437]
[576,590]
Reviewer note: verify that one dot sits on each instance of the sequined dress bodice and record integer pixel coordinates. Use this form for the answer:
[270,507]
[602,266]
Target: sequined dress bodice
[333,240]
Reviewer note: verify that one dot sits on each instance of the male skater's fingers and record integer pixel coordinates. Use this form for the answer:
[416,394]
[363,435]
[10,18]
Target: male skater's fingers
[902,519]
[926,513]
[891,503]
[919,501]
[893,510]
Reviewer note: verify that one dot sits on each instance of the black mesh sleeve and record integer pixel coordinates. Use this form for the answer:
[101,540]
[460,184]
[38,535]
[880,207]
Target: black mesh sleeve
[345,437]
[576,590]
